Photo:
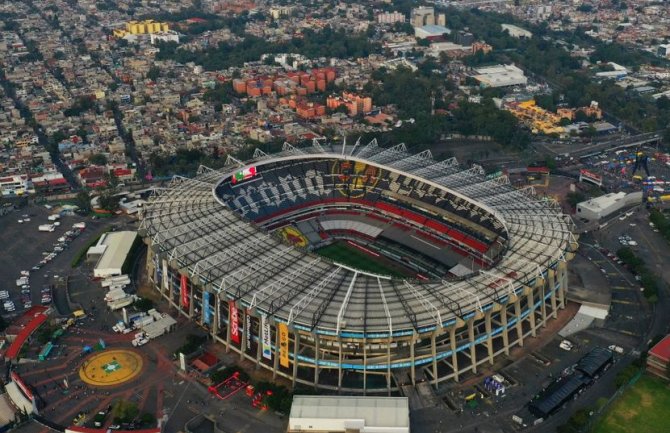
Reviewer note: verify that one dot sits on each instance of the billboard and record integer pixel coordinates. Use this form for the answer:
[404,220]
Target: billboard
[586,175]
[165,276]
[234,322]
[283,344]
[184,291]
[247,327]
[266,337]
[206,308]
[241,175]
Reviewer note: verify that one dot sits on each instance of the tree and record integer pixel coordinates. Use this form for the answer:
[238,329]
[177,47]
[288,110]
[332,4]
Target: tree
[144,304]
[575,197]
[98,159]
[153,73]
[109,202]
[124,411]
[83,201]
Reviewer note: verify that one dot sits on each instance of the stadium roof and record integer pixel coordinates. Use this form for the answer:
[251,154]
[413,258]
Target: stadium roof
[662,349]
[194,229]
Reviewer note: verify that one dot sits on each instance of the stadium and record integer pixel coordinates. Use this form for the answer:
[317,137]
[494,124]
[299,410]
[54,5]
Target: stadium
[358,268]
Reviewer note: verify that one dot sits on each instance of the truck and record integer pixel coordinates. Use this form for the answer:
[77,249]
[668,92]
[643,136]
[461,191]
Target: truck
[81,225]
[113,295]
[117,304]
[140,340]
[141,322]
[23,281]
[46,227]
[112,281]
[120,327]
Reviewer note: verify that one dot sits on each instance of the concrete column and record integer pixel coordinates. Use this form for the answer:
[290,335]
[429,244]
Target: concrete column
[275,361]
[316,359]
[296,349]
[259,347]
[202,307]
[227,328]
[519,325]
[505,331]
[243,347]
[216,322]
[191,304]
[563,276]
[489,337]
[454,354]
[388,367]
[531,314]
[412,371]
[543,303]
[471,339]
[433,352]
[339,365]
[365,370]
[552,299]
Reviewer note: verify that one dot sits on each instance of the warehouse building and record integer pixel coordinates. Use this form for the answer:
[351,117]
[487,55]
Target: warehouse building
[334,414]
[500,76]
[111,252]
[605,205]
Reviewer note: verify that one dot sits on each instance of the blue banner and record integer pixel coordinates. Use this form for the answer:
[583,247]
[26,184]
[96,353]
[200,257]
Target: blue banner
[206,308]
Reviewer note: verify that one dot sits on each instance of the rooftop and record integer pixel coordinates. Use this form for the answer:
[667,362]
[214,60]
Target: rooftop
[374,411]
[662,349]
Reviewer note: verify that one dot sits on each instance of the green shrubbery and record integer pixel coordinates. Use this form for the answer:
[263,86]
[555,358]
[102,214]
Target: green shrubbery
[648,280]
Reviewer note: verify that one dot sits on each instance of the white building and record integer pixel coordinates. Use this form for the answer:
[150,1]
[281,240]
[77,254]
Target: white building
[605,205]
[336,414]
[111,250]
[430,31]
[11,186]
[500,76]
[390,18]
[515,31]
[169,36]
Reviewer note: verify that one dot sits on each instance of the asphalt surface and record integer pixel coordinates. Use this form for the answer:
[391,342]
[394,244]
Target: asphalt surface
[23,248]
[161,390]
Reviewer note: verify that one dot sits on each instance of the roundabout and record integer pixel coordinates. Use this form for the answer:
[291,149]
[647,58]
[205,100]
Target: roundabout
[111,367]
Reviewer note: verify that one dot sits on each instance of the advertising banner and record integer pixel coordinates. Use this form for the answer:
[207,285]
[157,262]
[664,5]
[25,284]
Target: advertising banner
[206,308]
[234,322]
[165,276]
[266,337]
[247,327]
[184,291]
[283,344]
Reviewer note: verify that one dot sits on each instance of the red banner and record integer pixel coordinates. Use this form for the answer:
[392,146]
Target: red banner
[19,382]
[184,291]
[234,322]
[590,175]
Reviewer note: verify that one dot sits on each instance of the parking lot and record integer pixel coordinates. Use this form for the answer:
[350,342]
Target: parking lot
[25,247]
[159,390]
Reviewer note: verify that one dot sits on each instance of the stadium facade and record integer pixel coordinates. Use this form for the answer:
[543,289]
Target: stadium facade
[489,268]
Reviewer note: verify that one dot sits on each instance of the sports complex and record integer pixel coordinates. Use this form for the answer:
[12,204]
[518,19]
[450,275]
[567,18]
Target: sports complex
[358,268]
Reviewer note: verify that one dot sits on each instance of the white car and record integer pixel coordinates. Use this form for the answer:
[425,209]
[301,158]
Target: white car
[566,345]
[615,348]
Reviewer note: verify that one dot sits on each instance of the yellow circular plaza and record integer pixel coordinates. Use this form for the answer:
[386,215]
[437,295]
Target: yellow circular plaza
[111,367]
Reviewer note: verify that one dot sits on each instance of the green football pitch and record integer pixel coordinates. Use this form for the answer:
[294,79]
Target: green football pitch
[642,408]
[342,252]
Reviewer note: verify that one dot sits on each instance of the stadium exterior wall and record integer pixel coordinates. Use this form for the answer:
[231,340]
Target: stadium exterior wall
[371,365]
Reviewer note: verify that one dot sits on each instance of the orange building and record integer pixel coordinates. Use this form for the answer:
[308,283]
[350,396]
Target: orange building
[481,46]
[355,104]
[301,83]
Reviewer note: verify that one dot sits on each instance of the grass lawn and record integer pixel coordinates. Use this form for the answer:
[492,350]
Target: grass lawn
[643,408]
[343,253]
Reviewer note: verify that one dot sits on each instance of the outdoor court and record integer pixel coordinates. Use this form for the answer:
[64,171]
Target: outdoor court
[111,367]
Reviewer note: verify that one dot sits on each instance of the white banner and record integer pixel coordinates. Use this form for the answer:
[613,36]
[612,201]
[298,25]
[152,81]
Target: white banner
[165,276]
[266,337]
[247,328]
